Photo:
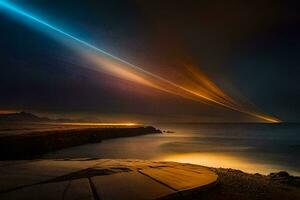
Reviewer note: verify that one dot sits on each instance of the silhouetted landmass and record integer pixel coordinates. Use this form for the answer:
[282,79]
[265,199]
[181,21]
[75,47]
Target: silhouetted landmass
[33,144]
[28,117]
[22,116]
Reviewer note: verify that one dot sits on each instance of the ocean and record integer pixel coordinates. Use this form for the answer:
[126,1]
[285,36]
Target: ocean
[252,148]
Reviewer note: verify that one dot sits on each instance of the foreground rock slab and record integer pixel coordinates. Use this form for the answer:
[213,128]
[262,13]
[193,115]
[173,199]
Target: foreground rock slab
[104,179]
[181,179]
[130,185]
[68,190]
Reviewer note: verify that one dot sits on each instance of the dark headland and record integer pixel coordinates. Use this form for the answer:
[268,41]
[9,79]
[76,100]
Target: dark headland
[26,136]
[37,143]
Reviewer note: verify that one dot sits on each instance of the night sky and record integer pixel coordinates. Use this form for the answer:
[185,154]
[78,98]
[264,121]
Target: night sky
[249,49]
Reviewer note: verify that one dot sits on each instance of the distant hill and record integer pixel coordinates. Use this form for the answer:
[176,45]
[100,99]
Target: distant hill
[22,116]
[29,117]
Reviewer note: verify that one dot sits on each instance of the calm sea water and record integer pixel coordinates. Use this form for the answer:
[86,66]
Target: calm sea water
[252,148]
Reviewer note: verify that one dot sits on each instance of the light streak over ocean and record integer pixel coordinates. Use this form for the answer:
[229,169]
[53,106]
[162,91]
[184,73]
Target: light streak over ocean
[116,66]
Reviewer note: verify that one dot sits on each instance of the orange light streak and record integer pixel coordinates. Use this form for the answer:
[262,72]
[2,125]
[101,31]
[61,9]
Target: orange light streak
[201,89]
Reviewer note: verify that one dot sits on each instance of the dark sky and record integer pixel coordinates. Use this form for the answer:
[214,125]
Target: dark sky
[252,47]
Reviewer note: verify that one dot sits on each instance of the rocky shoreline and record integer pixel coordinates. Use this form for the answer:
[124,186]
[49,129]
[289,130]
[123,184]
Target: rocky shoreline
[32,145]
[236,185]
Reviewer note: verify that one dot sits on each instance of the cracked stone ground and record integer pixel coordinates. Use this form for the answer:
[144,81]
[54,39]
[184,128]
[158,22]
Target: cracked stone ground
[103,179]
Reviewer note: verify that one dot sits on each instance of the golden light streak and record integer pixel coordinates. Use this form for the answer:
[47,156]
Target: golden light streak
[202,89]
[268,118]
[197,88]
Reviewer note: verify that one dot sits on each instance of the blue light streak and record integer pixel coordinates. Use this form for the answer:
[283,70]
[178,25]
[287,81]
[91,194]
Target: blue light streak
[8,6]
[17,10]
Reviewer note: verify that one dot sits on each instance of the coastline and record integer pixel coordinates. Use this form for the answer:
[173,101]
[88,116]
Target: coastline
[33,144]
[235,185]
[232,184]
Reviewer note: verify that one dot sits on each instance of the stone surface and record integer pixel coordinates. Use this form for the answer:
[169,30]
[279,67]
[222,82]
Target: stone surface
[131,164]
[33,172]
[79,190]
[104,179]
[10,179]
[52,168]
[67,190]
[180,179]
[128,186]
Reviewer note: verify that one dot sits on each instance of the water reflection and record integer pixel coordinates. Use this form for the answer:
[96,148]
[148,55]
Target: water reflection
[250,148]
[224,161]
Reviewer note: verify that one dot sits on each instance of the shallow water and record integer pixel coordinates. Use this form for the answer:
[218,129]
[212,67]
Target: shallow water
[252,148]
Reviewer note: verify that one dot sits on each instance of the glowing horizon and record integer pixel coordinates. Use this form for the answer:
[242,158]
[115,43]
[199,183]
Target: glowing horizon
[98,124]
[7,111]
[203,90]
